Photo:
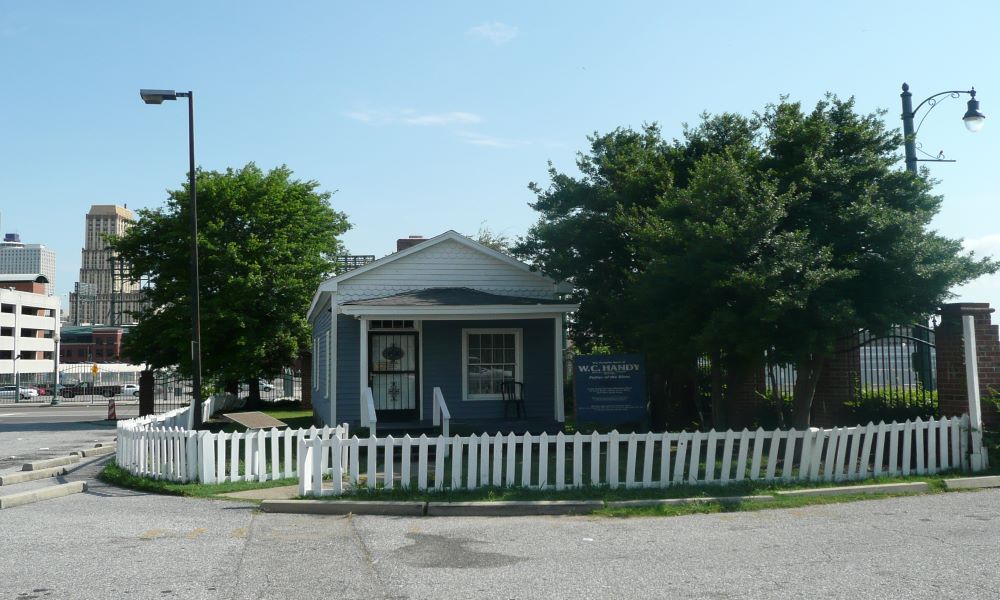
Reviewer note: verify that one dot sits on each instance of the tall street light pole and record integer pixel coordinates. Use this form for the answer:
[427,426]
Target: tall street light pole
[157,97]
[973,119]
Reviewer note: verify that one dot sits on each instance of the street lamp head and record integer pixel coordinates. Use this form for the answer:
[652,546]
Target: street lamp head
[157,96]
[974,120]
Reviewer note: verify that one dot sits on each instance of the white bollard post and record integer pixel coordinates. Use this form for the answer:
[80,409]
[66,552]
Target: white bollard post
[978,457]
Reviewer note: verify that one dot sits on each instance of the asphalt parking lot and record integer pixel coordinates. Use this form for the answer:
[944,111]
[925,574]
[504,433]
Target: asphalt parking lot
[112,543]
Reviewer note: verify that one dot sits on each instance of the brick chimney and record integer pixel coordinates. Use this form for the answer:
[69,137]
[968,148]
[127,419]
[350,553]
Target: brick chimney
[407,242]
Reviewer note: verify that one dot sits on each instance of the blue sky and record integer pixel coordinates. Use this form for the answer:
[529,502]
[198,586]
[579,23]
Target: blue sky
[431,116]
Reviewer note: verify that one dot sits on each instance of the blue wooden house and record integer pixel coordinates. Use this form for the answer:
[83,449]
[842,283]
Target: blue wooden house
[445,314]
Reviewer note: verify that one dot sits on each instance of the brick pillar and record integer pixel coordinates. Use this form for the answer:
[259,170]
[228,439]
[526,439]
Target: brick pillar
[953,399]
[305,367]
[836,384]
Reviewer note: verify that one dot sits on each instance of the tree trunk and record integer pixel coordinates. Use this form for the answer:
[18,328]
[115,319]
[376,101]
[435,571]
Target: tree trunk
[779,405]
[718,394]
[659,399]
[807,372]
[254,393]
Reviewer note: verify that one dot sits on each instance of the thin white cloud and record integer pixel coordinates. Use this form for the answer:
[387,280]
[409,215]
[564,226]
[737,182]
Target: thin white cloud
[495,32]
[988,245]
[365,116]
[479,139]
[448,118]
[408,116]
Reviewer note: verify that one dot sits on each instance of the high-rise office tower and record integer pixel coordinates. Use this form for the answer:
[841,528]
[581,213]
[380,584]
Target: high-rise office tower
[103,295]
[17,258]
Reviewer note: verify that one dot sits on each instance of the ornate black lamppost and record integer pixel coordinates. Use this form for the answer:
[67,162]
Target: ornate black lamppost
[973,121]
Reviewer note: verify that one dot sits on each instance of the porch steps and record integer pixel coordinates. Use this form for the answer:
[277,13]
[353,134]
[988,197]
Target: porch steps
[504,427]
[467,427]
[398,430]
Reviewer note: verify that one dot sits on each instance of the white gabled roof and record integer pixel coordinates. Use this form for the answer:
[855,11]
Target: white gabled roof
[330,285]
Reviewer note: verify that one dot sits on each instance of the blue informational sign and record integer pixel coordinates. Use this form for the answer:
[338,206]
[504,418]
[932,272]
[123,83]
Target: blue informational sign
[610,389]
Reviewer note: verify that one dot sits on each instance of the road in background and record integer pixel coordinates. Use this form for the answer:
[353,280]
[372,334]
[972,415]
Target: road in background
[34,432]
[112,543]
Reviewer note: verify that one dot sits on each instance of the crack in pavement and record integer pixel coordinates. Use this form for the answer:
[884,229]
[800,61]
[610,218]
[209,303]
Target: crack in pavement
[238,571]
[371,561]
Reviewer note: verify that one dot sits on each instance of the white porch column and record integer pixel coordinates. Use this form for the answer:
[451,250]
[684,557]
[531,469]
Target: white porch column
[363,377]
[560,411]
[331,368]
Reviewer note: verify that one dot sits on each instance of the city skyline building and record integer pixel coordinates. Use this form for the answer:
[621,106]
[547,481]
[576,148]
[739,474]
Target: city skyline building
[18,258]
[29,330]
[103,294]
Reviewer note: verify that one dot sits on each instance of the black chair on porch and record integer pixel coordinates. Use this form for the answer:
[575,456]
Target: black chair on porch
[512,394]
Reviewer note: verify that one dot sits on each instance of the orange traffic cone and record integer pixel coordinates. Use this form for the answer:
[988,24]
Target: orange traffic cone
[111,410]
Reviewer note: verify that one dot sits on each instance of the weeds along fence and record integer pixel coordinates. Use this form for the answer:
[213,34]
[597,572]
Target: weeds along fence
[161,447]
[635,460]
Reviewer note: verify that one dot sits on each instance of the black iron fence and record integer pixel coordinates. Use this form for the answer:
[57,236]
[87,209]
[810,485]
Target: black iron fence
[897,373]
[172,391]
[77,383]
[893,376]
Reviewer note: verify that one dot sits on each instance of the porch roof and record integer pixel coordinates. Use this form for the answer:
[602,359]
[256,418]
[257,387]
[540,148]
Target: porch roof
[454,301]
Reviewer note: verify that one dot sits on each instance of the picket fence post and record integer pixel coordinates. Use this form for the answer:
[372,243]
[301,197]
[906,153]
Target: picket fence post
[526,460]
[560,461]
[471,480]
[305,485]
[511,460]
[388,466]
[679,459]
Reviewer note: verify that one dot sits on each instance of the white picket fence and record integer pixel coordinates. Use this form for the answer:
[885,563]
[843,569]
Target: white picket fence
[649,461]
[161,447]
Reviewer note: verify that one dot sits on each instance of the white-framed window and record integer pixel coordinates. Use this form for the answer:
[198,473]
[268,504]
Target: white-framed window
[490,357]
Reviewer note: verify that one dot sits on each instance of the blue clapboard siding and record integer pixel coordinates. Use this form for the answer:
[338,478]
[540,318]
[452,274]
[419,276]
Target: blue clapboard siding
[320,399]
[348,366]
[442,347]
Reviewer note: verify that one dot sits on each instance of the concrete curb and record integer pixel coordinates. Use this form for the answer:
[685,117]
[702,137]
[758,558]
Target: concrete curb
[96,451]
[915,487]
[512,508]
[972,483]
[337,507]
[46,493]
[24,476]
[50,462]
[682,501]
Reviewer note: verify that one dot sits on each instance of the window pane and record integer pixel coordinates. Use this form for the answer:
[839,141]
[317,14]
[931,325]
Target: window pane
[490,361]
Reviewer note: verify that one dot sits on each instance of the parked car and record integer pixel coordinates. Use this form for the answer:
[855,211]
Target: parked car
[130,389]
[85,388]
[10,391]
[263,386]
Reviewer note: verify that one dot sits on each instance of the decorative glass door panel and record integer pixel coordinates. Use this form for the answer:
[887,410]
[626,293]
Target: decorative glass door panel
[392,375]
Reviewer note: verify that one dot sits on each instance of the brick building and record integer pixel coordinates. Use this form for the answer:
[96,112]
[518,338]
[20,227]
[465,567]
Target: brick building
[91,344]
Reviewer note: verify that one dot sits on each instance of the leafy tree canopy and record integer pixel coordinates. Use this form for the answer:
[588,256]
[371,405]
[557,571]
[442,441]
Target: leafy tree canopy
[265,242]
[771,234]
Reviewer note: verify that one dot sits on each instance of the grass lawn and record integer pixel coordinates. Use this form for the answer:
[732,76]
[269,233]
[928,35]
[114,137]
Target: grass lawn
[290,413]
[116,476]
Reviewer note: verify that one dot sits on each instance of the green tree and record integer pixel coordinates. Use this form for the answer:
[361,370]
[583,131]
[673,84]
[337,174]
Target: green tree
[500,242]
[869,220]
[265,242]
[775,234]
